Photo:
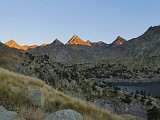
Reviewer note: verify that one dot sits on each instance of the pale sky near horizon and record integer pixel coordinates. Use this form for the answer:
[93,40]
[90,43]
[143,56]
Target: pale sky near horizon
[41,21]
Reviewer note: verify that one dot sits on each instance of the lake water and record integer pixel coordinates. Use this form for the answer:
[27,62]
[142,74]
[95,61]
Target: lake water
[150,88]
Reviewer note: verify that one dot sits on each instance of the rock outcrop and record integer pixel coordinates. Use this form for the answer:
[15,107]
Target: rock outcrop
[67,114]
[8,115]
[36,97]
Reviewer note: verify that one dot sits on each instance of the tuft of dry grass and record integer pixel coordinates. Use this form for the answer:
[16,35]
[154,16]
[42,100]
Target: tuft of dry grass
[15,87]
[31,113]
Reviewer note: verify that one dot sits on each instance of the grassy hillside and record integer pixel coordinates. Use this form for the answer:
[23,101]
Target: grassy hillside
[13,96]
[9,57]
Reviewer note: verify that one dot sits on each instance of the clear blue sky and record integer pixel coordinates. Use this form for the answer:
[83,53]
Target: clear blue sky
[41,21]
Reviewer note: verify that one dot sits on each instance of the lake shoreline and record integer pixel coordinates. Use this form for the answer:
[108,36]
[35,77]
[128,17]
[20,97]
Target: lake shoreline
[129,82]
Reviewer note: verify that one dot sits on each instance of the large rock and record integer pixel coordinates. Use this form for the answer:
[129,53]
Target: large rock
[36,97]
[67,114]
[8,115]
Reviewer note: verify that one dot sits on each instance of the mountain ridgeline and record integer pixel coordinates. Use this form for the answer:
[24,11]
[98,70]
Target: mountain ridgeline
[85,69]
[137,58]
[142,51]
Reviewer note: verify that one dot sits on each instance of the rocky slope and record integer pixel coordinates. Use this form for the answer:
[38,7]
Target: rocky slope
[85,81]
[33,99]
[137,52]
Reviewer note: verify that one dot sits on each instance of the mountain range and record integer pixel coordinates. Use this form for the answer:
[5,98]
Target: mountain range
[75,40]
[83,69]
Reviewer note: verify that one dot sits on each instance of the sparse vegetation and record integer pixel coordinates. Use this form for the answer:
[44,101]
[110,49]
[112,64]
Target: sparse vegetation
[127,99]
[15,87]
[154,113]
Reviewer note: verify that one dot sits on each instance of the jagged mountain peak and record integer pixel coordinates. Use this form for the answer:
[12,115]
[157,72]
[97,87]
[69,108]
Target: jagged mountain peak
[88,43]
[57,42]
[11,43]
[75,40]
[119,37]
[118,41]
[75,36]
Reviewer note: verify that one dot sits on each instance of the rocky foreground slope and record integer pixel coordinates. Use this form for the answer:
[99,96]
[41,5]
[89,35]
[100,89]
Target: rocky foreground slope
[32,99]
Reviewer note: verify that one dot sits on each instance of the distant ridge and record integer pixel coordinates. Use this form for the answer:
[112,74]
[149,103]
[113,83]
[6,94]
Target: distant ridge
[137,52]
[13,44]
[148,36]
